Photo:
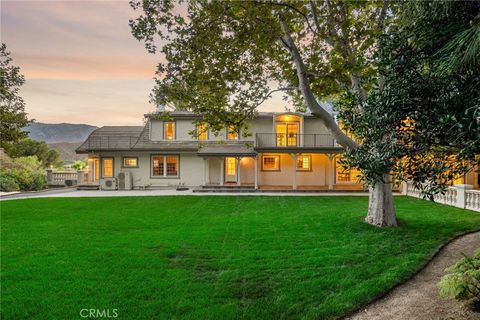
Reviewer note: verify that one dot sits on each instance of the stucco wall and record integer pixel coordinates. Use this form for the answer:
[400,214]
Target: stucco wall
[191,170]
[317,177]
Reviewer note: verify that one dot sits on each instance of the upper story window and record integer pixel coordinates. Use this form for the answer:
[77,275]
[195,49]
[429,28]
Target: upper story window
[169,130]
[107,167]
[304,163]
[232,133]
[202,132]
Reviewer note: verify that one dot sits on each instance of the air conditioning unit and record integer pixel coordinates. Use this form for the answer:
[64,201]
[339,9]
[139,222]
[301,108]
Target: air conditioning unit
[125,181]
[108,184]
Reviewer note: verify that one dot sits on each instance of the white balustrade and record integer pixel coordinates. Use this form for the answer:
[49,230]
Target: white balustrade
[461,196]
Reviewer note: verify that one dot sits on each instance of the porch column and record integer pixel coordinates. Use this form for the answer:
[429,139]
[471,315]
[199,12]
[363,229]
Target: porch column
[206,172]
[331,157]
[294,157]
[255,160]
[222,171]
[238,170]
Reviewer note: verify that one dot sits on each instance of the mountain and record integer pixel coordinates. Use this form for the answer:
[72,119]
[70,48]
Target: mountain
[67,150]
[59,132]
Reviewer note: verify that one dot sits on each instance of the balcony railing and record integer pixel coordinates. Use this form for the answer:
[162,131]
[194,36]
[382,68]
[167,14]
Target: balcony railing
[111,142]
[282,140]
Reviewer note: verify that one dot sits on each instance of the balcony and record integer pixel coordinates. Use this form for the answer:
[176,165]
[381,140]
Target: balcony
[294,141]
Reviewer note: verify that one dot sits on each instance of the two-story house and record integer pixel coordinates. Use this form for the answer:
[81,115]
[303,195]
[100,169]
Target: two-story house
[285,151]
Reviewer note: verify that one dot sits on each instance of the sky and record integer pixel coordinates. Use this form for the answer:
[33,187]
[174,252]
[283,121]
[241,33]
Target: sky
[80,61]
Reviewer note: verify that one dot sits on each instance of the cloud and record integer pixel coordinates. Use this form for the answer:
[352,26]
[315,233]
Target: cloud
[81,62]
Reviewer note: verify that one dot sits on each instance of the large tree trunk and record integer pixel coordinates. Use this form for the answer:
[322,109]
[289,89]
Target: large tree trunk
[381,211]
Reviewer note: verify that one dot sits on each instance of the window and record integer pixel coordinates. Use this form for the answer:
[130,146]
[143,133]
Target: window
[232,133]
[345,175]
[107,167]
[130,162]
[202,132]
[304,163]
[172,166]
[165,166]
[271,163]
[231,164]
[169,128]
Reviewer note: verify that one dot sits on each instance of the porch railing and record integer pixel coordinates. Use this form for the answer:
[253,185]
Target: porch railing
[461,196]
[60,178]
[286,140]
[111,142]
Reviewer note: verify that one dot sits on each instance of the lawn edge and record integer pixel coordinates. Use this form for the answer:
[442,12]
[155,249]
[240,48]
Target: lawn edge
[422,266]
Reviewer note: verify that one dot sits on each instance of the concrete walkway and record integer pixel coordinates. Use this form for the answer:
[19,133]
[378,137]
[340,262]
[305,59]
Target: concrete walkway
[72,192]
[418,298]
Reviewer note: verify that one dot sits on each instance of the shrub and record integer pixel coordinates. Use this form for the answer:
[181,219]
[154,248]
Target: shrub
[462,280]
[27,173]
[8,183]
[79,165]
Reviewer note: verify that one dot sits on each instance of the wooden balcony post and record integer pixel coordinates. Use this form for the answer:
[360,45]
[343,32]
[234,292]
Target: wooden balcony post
[239,159]
[331,157]
[255,159]
[222,171]
[294,158]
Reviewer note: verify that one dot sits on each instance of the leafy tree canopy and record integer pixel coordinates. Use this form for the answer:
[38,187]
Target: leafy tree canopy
[12,107]
[28,147]
[422,123]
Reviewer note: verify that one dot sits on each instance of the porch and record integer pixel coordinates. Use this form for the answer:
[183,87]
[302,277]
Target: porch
[278,172]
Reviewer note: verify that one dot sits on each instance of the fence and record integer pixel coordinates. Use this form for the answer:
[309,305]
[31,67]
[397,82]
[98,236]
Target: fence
[61,178]
[460,195]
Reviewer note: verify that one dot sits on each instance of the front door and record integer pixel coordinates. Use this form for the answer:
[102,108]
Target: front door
[230,169]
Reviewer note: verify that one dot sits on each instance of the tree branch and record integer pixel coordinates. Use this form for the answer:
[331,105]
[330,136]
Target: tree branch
[309,97]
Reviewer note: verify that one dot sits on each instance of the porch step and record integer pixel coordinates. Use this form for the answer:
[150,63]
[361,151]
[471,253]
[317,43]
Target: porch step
[205,189]
[88,187]
[233,186]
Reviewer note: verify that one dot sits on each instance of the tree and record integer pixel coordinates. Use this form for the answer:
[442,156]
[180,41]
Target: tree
[12,107]
[223,59]
[422,124]
[28,147]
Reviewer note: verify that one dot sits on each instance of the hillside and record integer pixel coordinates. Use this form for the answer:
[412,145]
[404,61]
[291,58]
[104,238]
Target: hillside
[67,150]
[59,132]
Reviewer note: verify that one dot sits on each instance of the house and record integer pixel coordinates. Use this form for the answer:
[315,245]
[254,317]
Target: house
[285,151]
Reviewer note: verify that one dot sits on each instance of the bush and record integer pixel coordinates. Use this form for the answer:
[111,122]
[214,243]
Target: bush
[27,173]
[8,183]
[79,165]
[462,280]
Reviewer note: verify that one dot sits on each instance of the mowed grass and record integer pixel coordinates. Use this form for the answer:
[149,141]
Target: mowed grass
[212,257]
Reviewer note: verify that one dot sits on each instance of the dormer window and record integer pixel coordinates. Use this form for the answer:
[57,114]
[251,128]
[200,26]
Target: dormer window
[232,133]
[202,132]
[169,130]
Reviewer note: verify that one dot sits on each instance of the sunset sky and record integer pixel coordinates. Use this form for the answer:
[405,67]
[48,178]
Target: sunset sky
[81,63]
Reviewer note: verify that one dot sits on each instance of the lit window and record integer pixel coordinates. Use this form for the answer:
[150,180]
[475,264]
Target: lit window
[107,167]
[304,163]
[271,163]
[130,162]
[158,166]
[231,166]
[165,166]
[202,132]
[345,175]
[169,130]
[232,133]
[172,166]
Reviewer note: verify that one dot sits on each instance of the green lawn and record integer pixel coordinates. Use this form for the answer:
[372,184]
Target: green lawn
[210,257]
